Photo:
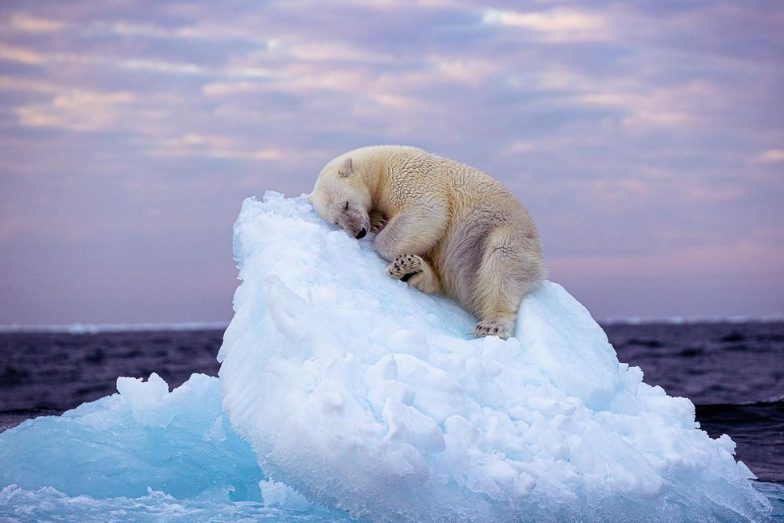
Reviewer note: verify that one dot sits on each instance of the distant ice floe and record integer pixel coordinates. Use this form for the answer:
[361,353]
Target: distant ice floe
[344,393]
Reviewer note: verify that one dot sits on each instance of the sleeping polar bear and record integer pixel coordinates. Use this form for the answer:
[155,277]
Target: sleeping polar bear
[446,227]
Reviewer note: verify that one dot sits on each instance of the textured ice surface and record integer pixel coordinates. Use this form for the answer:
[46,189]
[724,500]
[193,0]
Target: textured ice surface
[365,394]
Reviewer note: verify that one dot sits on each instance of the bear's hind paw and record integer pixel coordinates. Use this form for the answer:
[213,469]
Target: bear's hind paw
[500,328]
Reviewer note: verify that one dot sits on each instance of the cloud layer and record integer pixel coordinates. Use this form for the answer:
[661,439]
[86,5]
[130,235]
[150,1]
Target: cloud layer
[648,140]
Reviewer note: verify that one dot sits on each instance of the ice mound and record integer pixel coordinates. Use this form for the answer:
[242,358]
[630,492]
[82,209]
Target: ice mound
[367,395]
[145,437]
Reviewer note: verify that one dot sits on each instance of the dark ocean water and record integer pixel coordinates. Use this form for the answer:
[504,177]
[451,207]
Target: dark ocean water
[733,372]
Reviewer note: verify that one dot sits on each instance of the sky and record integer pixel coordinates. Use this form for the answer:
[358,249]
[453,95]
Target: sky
[646,138]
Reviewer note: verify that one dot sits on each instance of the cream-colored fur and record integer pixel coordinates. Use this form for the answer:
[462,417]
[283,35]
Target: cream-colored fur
[446,227]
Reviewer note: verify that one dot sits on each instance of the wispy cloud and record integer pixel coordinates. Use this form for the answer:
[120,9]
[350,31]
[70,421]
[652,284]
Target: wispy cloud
[77,111]
[33,24]
[555,25]
[770,156]
[20,55]
[224,147]
[201,31]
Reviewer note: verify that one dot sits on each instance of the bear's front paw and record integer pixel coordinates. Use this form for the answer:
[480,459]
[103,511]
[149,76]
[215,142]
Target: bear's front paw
[405,266]
[377,222]
[500,328]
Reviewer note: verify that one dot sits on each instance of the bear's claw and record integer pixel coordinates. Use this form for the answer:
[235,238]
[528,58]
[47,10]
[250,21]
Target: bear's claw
[499,328]
[378,225]
[377,221]
[405,266]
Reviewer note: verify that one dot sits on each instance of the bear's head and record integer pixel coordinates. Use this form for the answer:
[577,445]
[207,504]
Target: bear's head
[341,196]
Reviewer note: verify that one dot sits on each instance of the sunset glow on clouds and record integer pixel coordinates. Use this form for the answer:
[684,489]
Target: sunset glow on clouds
[646,139]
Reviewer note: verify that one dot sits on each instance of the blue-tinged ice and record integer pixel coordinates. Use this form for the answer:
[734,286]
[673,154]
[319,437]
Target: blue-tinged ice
[344,389]
[145,437]
[144,454]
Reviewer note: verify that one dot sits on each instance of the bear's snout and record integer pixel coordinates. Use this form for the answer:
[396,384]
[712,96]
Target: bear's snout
[355,223]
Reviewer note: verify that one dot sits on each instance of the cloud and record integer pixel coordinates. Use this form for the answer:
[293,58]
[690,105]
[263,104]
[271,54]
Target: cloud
[726,259]
[521,147]
[558,25]
[769,156]
[333,51]
[13,83]
[465,70]
[231,89]
[203,31]
[20,55]
[642,105]
[223,147]
[33,24]
[77,111]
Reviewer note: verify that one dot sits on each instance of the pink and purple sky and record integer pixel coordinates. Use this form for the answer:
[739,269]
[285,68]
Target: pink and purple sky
[647,139]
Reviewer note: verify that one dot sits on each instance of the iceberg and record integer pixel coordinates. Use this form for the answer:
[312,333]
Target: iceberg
[366,395]
[345,394]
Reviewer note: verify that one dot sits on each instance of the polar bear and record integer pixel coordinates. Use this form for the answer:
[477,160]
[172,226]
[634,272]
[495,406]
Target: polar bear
[445,227]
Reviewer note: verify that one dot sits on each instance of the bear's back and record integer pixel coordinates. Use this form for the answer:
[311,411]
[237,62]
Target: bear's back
[413,174]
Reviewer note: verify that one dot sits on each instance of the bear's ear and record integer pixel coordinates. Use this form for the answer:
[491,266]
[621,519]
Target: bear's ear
[346,168]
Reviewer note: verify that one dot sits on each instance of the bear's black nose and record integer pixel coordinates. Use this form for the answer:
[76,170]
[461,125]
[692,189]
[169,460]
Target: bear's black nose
[361,234]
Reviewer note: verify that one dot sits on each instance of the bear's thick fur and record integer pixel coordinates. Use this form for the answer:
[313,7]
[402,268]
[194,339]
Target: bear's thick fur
[446,227]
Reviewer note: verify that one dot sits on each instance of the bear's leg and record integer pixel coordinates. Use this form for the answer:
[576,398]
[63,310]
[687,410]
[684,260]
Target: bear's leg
[510,269]
[416,271]
[414,231]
